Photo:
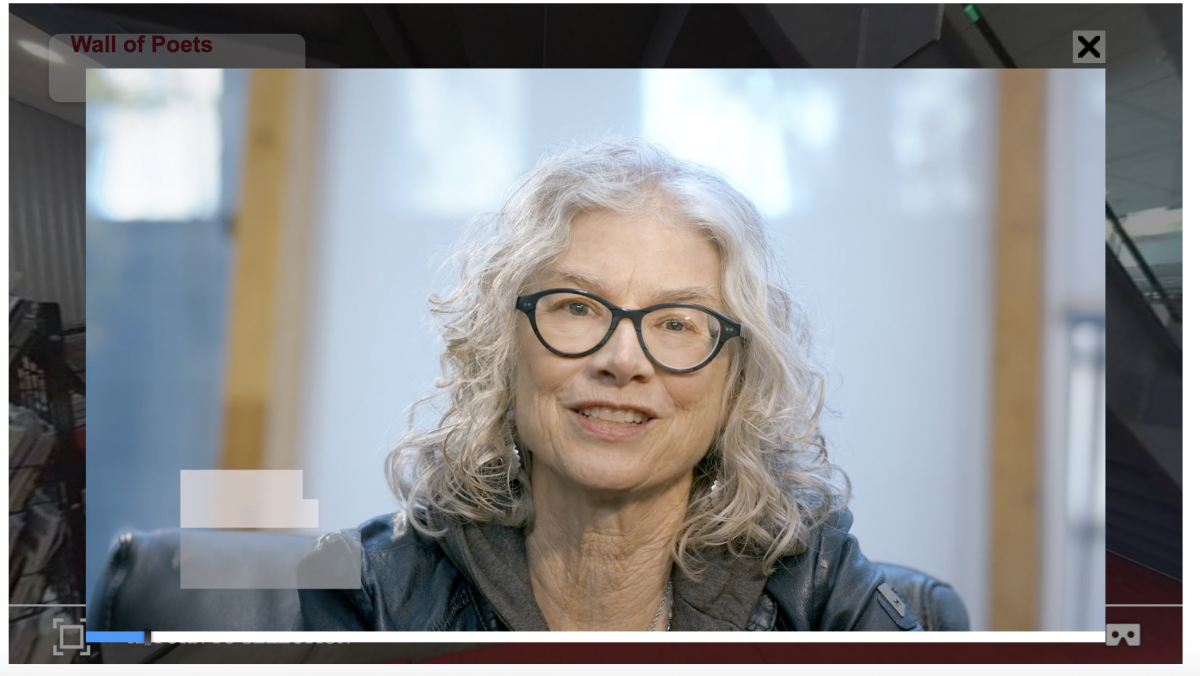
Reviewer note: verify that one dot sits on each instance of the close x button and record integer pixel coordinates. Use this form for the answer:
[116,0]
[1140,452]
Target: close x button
[1088,47]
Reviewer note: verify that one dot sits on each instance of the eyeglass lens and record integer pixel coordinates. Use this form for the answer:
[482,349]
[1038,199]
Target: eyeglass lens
[677,337]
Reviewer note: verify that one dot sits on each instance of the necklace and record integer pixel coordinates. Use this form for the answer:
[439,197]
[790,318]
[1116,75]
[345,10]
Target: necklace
[662,605]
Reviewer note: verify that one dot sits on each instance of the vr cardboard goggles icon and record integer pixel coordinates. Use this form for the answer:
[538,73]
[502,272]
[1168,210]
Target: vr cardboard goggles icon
[1131,634]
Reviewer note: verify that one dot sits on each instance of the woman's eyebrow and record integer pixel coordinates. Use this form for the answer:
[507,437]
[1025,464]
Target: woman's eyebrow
[586,282]
[687,294]
[580,280]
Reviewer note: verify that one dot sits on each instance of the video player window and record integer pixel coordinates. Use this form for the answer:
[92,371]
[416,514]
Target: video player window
[806,263]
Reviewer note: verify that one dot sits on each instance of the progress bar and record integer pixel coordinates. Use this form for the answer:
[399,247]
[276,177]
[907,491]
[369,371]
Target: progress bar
[115,637]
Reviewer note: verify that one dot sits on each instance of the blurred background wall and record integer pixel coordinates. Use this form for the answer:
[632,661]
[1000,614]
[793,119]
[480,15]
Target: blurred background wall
[163,160]
[1073,441]
[879,187]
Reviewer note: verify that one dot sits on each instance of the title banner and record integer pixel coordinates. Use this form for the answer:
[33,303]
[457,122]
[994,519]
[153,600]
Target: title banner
[72,54]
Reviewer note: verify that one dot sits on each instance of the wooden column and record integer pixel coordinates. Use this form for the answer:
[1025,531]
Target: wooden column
[269,290]
[1017,359]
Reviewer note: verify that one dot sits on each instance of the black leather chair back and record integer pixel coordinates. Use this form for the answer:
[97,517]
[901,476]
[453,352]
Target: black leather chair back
[141,587]
[141,590]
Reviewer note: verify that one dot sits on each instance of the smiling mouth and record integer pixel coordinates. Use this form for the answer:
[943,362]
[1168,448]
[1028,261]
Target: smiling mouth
[615,416]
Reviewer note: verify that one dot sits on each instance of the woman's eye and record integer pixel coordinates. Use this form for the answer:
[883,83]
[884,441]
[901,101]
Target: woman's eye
[577,309]
[675,325]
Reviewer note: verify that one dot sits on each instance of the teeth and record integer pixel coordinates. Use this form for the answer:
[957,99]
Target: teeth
[617,415]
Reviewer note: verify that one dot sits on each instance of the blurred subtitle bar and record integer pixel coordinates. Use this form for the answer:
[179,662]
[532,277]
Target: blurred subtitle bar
[244,499]
[71,55]
[214,556]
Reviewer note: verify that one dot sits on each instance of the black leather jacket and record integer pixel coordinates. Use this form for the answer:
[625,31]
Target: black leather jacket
[475,578]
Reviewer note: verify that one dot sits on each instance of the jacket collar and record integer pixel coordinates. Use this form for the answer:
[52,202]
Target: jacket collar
[492,557]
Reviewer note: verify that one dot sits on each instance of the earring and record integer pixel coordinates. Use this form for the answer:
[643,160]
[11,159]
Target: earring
[517,455]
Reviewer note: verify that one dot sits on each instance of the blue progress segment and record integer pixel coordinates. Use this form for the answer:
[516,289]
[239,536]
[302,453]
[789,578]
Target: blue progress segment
[115,637]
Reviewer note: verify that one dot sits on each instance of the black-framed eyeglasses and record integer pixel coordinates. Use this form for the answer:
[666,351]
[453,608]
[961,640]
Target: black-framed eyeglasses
[675,337]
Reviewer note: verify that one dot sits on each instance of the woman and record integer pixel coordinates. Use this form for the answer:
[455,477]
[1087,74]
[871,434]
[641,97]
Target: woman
[630,437]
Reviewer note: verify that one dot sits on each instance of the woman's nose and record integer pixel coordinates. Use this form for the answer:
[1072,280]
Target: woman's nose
[622,355]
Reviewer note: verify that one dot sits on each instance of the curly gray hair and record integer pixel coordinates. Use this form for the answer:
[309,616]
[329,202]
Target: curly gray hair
[766,483]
